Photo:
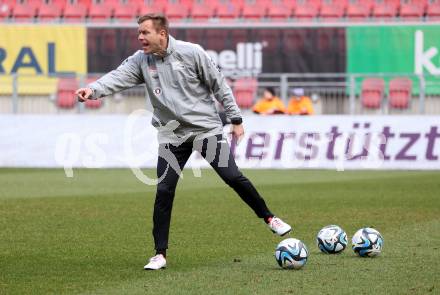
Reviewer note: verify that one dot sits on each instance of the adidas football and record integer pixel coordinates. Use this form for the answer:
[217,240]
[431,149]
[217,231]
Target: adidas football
[367,242]
[291,254]
[331,239]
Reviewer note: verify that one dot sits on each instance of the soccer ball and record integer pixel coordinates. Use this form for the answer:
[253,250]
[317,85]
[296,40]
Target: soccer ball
[367,242]
[331,239]
[291,254]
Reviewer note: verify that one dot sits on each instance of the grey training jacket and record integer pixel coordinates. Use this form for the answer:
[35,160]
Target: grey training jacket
[181,86]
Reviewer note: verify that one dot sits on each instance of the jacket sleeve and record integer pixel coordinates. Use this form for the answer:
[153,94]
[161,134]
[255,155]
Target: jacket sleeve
[216,82]
[127,75]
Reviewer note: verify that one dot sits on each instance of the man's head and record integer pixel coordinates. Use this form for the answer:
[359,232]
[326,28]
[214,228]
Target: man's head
[153,33]
[297,92]
[269,93]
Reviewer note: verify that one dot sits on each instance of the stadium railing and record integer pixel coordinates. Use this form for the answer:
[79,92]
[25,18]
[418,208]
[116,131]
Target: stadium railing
[330,93]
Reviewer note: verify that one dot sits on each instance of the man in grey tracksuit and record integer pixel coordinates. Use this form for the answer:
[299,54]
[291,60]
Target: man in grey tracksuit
[182,82]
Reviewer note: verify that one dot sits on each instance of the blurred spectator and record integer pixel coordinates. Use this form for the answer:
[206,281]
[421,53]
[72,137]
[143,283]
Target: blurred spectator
[269,104]
[300,104]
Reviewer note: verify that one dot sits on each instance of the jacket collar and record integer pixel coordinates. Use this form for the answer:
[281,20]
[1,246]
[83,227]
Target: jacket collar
[171,45]
[170,48]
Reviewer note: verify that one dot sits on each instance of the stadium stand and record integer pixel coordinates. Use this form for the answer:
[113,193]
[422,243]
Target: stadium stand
[224,10]
[177,11]
[66,99]
[100,12]
[93,104]
[400,93]
[433,11]
[227,11]
[24,12]
[306,11]
[332,11]
[372,92]
[358,11]
[66,93]
[385,10]
[76,12]
[254,11]
[6,9]
[126,12]
[50,11]
[280,11]
[143,9]
[202,11]
[412,11]
[245,90]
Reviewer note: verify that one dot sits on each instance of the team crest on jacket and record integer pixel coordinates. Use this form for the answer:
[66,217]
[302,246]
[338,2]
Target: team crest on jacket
[157,91]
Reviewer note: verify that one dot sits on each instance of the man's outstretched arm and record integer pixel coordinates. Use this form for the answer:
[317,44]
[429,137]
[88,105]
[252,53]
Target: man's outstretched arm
[127,75]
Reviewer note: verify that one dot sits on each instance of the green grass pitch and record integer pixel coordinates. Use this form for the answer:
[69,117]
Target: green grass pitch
[91,234]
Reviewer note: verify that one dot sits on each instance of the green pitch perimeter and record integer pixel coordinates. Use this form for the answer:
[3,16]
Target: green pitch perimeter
[91,234]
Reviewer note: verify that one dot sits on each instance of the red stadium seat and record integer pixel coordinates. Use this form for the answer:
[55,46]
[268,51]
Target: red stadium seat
[228,11]
[202,11]
[433,11]
[316,3]
[358,10]
[155,6]
[6,9]
[342,2]
[75,12]
[306,11]
[177,11]
[332,11]
[280,11]
[66,98]
[396,2]
[100,12]
[400,93]
[60,3]
[387,10]
[372,92]
[93,103]
[245,90]
[412,11]
[49,12]
[254,10]
[126,11]
[24,12]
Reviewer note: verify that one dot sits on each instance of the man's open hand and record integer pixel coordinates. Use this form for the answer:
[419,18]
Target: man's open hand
[237,132]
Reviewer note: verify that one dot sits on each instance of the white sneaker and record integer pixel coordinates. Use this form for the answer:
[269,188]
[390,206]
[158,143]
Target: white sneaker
[279,227]
[156,262]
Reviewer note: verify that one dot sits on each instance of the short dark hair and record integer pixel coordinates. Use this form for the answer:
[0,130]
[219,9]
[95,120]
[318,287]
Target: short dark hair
[271,90]
[160,21]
